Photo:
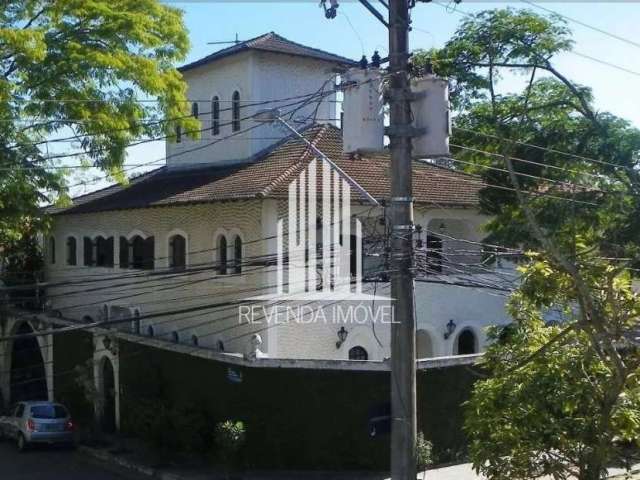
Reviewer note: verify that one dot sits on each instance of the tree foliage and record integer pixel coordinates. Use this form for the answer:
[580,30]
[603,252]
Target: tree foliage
[561,180]
[553,407]
[548,116]
[78,68]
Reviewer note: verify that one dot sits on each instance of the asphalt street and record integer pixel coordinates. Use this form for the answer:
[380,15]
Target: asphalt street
[45,463]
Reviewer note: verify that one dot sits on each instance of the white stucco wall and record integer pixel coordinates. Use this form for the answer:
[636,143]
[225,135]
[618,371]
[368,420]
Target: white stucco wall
[159,293]
[258,77]
[472,308]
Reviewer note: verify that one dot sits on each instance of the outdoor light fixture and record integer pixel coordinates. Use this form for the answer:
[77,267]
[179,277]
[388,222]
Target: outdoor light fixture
[342,336]
[109,345]
[272,115]
[442,227]
[451,327]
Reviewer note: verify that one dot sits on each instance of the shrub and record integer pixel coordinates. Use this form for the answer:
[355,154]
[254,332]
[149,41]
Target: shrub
[424,449]
[229,437]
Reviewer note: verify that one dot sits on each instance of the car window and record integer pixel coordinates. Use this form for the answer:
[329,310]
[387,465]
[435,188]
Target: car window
[19,410]
[48,411]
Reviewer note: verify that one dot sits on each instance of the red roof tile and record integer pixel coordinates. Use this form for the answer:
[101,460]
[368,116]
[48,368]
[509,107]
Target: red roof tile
[270,175]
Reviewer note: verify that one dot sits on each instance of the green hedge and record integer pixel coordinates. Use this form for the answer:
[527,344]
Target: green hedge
[72,350]
[295,418]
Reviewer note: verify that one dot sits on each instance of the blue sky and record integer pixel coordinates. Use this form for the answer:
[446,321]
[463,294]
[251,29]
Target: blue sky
[355,31]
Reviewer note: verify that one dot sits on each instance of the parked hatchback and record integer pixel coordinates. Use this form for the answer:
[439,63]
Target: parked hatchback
[37,422]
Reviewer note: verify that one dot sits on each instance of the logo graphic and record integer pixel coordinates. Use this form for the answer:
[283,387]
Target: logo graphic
[319,259]
[319,250]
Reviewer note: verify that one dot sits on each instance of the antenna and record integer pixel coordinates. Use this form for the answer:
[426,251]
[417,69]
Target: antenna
[235,42]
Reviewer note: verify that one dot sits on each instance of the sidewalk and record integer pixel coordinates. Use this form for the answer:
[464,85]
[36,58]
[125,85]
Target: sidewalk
[128,462]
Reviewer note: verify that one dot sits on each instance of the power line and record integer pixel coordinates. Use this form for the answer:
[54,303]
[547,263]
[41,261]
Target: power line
[166,120]
[479,182]
[586,25]
[182,152]
[605,63]
[528,175]
[163,137]
[131,354]
[588,57]
[546,149]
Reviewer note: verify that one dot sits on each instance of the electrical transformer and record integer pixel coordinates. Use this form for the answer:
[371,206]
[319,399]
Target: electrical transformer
[431,112]
[363,107]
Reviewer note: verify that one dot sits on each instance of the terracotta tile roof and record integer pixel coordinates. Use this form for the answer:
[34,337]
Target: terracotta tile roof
[269,176]
[271,42]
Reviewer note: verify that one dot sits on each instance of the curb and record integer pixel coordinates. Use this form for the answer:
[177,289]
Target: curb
[123,463]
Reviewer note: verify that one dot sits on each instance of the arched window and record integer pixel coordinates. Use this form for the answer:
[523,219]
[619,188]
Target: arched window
[467,343]
[124,261]
[175,337]
[137,253]
[88,251]
[177,252]
[178,134]
[103,252]
[141,252]
[150,331]
[194,110]
[434,254]
[358,353]
[194,340]
[215,116]
[72,258]
[222,255]
[52,249]
[235,111]
[237,254]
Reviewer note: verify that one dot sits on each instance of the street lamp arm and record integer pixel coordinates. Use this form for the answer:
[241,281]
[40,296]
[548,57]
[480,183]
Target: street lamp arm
[323,157]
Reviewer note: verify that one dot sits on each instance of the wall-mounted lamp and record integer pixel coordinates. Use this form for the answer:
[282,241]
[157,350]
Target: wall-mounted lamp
[342,336]
[451,327]
[442,227]
[109,345]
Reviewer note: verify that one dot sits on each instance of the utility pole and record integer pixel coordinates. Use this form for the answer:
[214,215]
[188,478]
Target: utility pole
[403,330]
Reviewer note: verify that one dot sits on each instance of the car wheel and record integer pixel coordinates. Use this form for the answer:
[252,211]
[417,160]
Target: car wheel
[21,443]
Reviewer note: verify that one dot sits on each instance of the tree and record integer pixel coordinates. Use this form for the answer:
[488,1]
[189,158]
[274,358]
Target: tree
[79,68]
[552,407]
[559,396]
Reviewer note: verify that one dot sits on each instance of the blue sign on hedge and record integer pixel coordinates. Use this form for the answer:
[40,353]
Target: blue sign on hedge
[233,375]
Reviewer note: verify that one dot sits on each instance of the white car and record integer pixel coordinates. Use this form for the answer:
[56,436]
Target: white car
[37,422]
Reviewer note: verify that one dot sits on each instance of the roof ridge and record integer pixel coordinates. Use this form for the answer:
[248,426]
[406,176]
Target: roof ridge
[260,42]
[294,165]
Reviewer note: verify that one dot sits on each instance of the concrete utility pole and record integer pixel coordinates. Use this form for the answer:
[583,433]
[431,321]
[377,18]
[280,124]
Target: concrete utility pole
[403,330]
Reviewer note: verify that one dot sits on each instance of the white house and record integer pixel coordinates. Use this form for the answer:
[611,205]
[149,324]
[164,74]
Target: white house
[172,255]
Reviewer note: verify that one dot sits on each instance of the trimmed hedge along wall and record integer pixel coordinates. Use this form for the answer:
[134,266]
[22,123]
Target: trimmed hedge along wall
[71,351]
[295,418]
